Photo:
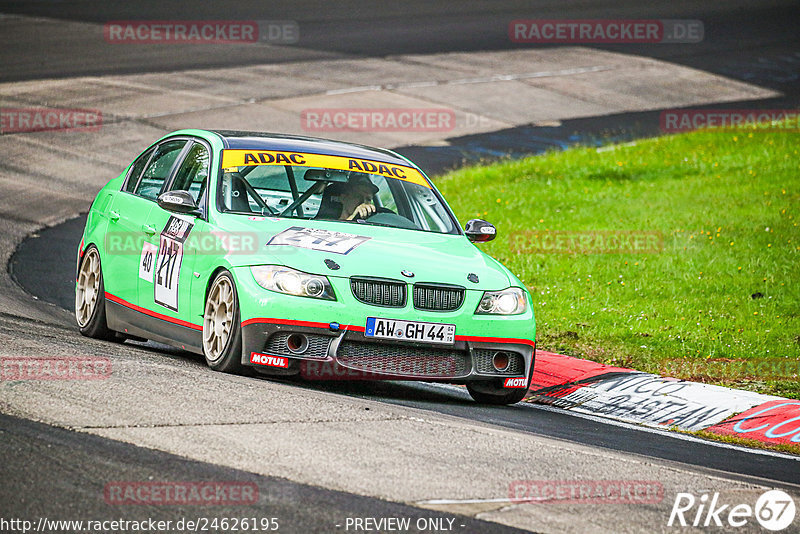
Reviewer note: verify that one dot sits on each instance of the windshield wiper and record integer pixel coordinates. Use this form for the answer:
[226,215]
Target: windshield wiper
[372,223]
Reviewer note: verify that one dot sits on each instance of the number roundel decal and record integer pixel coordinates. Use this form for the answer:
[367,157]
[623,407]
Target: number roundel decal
[168,262]
[318,239]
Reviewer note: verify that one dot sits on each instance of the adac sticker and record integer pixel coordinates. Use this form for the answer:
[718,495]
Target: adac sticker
[233,158]
[515,383]
[268,360]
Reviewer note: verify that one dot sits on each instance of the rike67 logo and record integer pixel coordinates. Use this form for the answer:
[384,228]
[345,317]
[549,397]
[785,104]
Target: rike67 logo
[774,511]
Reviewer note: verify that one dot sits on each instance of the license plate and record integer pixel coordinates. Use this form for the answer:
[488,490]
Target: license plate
[410,331]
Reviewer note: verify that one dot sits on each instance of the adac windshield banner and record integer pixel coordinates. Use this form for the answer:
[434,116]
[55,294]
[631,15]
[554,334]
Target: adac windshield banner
[245,158]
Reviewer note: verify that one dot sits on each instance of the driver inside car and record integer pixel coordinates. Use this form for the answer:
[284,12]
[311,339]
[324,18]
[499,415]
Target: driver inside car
[349,200]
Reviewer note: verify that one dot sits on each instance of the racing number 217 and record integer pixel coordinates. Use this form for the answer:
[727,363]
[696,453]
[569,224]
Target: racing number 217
[166,266]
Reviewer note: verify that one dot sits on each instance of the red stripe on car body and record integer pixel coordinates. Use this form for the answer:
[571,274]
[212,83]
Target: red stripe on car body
[134,307]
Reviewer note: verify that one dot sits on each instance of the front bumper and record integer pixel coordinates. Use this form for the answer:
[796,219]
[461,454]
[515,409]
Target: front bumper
[320,351]
[340,350]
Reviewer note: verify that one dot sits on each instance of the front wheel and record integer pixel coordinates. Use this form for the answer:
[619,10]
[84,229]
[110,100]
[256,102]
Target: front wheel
[90,301]
[222,333]
[493,392]
[490,393]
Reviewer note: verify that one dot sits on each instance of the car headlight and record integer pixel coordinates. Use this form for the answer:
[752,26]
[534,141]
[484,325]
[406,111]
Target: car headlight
[509,301]
[293,282]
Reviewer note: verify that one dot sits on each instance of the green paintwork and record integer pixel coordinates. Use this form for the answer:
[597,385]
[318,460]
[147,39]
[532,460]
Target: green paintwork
[432,257]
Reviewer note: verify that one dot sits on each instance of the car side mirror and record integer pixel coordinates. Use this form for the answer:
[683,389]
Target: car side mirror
[480,231]
[178,202]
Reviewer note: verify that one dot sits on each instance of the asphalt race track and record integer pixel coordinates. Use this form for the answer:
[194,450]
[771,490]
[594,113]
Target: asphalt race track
[322,454]
[753,41]
[61,473]
[31,267]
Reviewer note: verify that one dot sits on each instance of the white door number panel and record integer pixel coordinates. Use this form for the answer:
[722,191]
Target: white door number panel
[410,331]
[168,263]
[147,262]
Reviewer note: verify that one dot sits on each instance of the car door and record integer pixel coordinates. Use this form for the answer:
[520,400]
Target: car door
[124,236]
[176,241]
[127,250]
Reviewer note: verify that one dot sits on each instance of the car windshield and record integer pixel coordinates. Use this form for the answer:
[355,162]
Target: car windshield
[304,192]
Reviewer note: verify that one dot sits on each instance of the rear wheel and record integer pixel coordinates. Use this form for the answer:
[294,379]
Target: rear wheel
[90,302]
[222,333]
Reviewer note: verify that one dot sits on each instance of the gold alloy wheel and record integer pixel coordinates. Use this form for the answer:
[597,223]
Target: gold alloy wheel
[88,288]
[218,319]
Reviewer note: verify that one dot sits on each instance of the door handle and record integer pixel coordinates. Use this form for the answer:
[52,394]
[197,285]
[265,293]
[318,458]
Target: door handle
[114,216]
[149,230]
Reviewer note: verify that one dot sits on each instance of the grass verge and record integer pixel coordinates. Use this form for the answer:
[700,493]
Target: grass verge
[744,442]
[713,297]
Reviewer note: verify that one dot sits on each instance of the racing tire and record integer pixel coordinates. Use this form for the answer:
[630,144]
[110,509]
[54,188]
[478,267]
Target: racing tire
[90,300]
[484,394]
[222,331]
[493,392]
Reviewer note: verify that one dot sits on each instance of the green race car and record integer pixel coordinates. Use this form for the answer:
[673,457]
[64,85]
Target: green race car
[299,256]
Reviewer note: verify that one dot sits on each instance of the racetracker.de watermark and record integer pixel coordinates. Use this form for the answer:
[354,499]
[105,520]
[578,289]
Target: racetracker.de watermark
[606,31]
[55,368]
[16,120]
[587,491]
[761,120]
[202,493]
[586,242]
[201,32]
[378,120]
[408,366]
[202,243]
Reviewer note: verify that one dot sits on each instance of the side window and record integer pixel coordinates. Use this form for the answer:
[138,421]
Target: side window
[153,177]
[428,209]
[136,170]
[192,175]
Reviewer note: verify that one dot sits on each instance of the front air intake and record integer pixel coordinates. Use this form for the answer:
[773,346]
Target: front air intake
[438,297]
[379,291]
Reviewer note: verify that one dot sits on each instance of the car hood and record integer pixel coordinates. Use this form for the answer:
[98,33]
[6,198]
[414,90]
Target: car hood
[366,250]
